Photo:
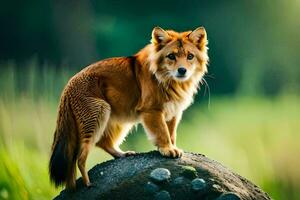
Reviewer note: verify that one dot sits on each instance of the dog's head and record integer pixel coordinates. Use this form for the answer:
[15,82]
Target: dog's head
[178,56]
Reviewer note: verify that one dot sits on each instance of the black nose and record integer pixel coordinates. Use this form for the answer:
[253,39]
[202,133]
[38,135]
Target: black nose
[181,71]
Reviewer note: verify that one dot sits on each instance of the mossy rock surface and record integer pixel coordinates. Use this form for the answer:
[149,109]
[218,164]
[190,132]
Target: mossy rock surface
[129,178]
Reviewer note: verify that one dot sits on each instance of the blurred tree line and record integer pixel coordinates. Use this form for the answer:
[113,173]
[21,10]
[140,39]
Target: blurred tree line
[254,45]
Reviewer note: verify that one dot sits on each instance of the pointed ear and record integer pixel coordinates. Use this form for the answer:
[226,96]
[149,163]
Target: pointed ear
[198,37]
[159,35]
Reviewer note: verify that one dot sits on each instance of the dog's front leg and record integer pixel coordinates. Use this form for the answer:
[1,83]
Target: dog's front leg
[157,129]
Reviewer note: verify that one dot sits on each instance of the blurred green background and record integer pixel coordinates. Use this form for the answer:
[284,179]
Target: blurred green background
[250,122]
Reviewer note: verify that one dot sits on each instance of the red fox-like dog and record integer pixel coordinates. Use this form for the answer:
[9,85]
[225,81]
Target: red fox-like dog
[101,103]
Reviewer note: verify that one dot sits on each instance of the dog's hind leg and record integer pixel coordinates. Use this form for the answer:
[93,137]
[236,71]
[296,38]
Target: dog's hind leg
[92,115]
[112,138]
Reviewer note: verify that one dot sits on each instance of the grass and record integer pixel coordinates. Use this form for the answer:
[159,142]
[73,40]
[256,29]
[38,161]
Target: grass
[257,137]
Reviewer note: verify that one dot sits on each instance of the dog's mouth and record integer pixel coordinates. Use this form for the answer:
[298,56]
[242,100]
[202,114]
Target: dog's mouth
[180,76]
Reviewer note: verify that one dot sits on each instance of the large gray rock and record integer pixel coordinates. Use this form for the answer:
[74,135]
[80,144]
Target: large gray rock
[129,178]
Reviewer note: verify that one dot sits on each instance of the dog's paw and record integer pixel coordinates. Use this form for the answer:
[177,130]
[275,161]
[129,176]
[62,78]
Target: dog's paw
[170,151]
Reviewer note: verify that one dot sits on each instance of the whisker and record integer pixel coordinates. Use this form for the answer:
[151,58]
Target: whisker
[208,89]
[209,76]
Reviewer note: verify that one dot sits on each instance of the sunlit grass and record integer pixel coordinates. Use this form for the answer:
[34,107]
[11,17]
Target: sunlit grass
[256,137]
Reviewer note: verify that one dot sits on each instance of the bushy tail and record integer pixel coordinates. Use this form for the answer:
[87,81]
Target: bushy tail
[62,165]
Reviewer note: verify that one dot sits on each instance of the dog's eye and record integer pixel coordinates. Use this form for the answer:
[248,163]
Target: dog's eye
[171,56]
[190,56]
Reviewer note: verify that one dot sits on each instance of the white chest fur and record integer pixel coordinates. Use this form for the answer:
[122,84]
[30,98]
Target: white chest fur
[174,108]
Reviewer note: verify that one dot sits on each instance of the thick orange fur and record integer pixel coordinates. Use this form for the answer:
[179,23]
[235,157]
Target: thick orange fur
[102,102]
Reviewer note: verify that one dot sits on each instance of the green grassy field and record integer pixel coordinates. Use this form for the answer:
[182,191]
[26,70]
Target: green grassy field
[257,137]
